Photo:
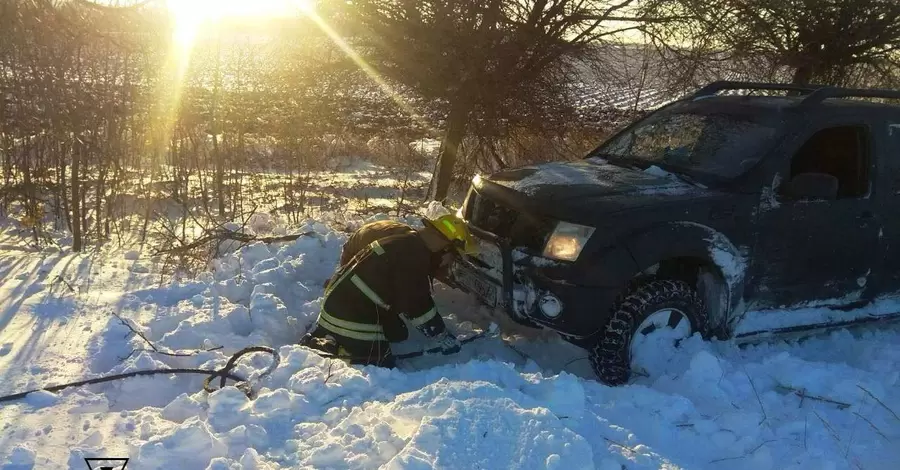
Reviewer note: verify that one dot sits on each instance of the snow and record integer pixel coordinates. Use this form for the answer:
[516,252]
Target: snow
[761,322]
[21,458]
[523,400]
[568,173]
[657,171]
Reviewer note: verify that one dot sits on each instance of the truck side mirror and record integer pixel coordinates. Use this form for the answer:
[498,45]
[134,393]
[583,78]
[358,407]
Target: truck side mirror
[812,186]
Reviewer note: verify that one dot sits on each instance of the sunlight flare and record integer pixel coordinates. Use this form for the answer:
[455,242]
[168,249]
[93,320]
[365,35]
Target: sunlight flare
[365,67]
[190,17]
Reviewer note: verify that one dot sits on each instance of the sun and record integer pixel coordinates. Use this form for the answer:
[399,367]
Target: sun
[190,15]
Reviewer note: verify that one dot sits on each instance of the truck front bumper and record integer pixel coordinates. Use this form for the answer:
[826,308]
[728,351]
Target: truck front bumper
[527,295]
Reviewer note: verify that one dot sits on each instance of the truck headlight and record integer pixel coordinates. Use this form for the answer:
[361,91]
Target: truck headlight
[567,241]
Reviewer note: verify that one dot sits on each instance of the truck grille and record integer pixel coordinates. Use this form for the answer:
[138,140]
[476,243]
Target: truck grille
[506,222]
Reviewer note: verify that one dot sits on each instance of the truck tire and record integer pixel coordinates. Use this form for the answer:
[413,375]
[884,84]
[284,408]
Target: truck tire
[611,353]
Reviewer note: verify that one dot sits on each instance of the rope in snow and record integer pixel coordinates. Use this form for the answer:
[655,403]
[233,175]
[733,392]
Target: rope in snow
[224,373]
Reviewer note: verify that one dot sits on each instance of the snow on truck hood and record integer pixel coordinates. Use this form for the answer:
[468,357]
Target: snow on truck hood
[588,178]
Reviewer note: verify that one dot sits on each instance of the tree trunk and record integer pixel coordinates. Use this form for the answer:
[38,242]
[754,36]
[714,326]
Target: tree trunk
[76,198]
[220,174]
[457,123]
[803,74]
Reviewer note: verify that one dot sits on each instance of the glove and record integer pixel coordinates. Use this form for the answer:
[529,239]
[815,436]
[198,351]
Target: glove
[448,343]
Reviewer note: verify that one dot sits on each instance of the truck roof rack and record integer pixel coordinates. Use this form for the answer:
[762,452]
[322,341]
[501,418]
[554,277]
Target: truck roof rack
[813,94]
[715,87]
[825,93]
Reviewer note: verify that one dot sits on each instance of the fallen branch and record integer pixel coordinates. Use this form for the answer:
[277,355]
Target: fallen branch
[223,235]
[153,348]
[164,353]
[803,395]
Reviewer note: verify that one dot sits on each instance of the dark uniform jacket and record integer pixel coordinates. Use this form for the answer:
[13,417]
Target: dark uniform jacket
[369,233]
[387,279]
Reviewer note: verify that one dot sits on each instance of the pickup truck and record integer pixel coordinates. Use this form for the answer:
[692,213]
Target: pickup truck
[724,214]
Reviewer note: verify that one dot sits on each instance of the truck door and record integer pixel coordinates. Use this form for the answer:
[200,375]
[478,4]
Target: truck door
[817,249]
[889,202]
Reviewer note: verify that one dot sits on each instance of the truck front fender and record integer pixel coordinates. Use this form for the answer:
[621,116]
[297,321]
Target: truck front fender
[669,241]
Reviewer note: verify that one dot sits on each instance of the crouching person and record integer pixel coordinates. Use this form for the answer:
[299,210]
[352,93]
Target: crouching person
[388,279]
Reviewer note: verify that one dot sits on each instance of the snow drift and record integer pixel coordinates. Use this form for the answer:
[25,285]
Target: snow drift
[829,402]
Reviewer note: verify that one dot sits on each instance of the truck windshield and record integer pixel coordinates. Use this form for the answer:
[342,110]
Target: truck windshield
[721,146]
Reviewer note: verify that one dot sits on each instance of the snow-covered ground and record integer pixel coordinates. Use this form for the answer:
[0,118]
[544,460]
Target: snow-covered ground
[524,400]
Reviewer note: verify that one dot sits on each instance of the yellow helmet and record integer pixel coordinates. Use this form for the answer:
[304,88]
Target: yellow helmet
[455,230]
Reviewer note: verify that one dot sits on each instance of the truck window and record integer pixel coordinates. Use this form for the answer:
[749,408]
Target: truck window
[838,151]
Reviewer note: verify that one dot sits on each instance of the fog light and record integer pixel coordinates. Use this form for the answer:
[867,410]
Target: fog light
[550,305]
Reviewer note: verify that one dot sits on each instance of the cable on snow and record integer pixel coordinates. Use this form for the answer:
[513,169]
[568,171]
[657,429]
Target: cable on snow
[225,373]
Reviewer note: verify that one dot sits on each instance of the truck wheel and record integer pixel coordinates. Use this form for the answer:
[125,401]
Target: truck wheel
[648,309]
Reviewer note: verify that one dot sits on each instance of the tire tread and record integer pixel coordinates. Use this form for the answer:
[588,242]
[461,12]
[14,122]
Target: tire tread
[610,356]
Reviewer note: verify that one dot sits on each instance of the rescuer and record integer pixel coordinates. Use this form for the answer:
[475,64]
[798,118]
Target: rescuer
[388,278]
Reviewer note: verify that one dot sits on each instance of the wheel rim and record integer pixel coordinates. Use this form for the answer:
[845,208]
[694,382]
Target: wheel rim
[665,327]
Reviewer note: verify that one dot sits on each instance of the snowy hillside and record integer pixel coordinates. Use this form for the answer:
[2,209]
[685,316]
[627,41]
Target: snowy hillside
[524,400]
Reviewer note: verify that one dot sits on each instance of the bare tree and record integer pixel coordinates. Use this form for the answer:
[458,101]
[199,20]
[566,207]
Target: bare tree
[825,41]
[476,56]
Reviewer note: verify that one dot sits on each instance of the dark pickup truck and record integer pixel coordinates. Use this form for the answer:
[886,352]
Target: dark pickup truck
[725,214]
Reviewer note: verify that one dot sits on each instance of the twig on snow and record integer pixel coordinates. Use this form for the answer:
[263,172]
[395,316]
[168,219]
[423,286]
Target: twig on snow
[803,395]
[328,376]
[806,433]
[164,353]
[828,426]
[135,331]
[879,402]
[852,435]
[837,439]
[873,426]
[758,399]
[60,278]
[153,348]
[751,452]
[619,444]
